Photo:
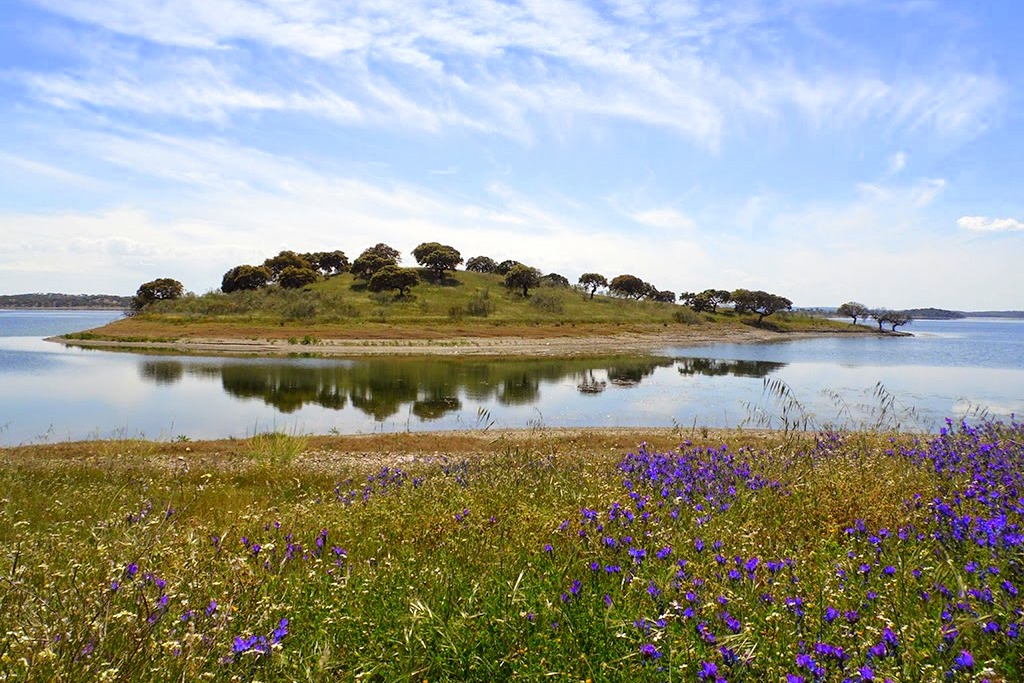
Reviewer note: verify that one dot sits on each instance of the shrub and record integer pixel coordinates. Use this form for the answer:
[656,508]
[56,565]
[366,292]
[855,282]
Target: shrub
[481,306]
[548,301]
[686,316]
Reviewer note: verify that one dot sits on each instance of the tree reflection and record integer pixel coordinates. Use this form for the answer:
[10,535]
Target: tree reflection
[382,388]
[715,367]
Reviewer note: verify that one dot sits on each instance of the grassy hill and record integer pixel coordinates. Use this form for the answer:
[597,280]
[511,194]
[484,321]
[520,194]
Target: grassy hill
[463,304]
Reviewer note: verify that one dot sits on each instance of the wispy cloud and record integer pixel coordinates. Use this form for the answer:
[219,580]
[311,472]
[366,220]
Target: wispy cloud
[897,162]
[666,218]
[693,68]
[984,224]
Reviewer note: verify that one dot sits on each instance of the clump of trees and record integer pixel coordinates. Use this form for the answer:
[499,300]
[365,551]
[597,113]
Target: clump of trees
[882,316]
[707,301]
[896,319]
[288,269]
[760,302]
[373,259]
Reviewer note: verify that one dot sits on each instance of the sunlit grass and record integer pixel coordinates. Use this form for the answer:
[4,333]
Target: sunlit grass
[529,556]
[465,304]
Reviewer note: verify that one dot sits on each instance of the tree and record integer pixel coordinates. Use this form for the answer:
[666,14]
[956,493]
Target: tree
[296,278]
[285,259]
[161,289]
[437,257]
[664,296]
[245,277]
[629,286]
[481,264]
[899,318]
[505,266]
[707,301]
[591,281]
[852,309]
[373,259]
[555,280]
[760,302]
[522,277]
[393,277]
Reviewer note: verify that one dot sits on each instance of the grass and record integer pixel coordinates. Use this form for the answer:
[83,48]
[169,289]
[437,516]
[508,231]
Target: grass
[464,304]
[517,556]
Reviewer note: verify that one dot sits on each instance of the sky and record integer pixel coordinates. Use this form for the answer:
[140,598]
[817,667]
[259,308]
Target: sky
[824,150]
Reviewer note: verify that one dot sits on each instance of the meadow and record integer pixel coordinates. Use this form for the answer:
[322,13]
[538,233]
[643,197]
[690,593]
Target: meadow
[722,556]
[463,304]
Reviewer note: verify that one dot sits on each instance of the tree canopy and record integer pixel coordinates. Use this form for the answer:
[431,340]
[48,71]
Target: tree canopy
[161,289]
[591,281]
[760,302]
[628,286]
[437,257]
[392,277]
[481,264]
[505,266]
[245,277]
[373,259]
[555,280]
[707,301]
[297,278]
[285,259]
[328,263]
[521,277]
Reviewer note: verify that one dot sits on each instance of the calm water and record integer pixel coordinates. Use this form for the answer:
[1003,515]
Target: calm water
[49,392]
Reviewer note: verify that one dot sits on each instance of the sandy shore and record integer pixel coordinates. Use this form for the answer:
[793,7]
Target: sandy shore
[458,346]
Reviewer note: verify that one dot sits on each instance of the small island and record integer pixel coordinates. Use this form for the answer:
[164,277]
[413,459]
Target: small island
[322,304]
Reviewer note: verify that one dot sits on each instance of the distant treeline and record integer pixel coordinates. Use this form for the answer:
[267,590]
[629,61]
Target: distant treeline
[51,300]
[931,313]
[943,314]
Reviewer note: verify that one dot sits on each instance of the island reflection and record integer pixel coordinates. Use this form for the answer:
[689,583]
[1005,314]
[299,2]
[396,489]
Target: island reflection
[429,388]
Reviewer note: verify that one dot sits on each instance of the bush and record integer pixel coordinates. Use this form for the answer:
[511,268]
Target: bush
[547,300]
[481,306]
[686,316]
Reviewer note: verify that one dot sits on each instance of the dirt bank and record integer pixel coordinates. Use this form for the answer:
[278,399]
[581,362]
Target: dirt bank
[624,343]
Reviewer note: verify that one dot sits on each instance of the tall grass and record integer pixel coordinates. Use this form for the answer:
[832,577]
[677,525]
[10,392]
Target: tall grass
[470,299]
[827,557]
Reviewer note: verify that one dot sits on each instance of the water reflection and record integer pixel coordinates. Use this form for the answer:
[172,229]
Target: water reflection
[716,367]
[382,388]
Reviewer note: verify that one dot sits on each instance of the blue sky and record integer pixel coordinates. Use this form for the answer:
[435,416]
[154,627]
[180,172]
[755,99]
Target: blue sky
[826,150]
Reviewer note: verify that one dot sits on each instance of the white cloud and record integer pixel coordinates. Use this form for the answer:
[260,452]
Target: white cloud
[46,170]
[664,218]
[984,224]
[897,162]
[493,66]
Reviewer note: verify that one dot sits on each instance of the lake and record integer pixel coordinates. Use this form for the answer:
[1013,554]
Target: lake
[49,392]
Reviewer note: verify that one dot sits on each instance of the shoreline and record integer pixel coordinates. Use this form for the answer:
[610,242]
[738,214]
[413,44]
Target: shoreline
[508,346]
